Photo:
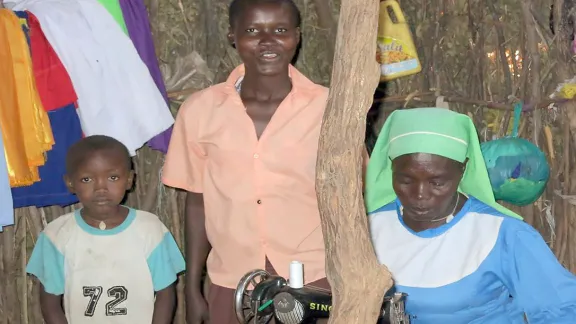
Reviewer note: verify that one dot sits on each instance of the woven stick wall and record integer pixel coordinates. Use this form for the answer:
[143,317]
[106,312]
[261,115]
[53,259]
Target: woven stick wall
[475,53]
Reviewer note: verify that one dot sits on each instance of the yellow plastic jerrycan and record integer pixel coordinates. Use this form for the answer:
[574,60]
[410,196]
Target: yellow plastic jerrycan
[396,52]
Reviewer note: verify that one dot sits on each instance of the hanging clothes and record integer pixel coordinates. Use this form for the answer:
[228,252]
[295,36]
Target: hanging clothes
[113,7]
[138,25]
[52,190]
[58,98]
[52,80]
[116,94]
[136,19]
[27,134]
[23,19]
[6,208]
[133,19]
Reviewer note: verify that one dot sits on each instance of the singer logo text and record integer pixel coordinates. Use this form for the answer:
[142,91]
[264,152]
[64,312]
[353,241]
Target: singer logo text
[320,307]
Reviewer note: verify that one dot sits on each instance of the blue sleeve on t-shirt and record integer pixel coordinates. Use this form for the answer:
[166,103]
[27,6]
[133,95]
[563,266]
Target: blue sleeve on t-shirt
[165,263]
[47,264]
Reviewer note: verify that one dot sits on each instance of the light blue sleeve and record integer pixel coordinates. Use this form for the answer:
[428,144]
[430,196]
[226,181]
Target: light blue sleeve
[165,262]
[6,202]
[47,264]
[539,284]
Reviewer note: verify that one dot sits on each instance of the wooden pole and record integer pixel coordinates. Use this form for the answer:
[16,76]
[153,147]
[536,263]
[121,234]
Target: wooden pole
[358,281]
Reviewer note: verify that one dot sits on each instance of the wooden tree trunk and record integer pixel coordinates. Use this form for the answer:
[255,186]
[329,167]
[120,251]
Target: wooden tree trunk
[358,281]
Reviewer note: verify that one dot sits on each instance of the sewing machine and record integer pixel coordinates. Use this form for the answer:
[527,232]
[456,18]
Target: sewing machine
[261,296]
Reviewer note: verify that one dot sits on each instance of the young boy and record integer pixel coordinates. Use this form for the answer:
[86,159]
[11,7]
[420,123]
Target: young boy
[106,263]
[245,151]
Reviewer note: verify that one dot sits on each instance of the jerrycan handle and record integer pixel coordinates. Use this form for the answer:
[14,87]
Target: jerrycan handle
[392,4]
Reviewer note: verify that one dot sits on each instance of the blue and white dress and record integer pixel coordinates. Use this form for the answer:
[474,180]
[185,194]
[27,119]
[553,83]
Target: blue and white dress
[482,267]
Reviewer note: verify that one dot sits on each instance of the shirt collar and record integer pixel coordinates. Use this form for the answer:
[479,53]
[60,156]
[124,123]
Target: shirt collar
[299,81]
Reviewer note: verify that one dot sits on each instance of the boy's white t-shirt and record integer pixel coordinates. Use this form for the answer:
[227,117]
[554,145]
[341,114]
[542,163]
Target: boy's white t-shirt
[106,276]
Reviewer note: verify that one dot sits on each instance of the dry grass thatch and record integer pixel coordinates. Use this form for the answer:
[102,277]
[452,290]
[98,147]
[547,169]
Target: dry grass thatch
[463,45]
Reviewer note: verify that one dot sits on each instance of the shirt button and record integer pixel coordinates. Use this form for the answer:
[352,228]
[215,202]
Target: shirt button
[259,201]
[256,155]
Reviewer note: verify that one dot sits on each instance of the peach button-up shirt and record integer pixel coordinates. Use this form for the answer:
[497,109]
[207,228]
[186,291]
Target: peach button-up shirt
[259,194]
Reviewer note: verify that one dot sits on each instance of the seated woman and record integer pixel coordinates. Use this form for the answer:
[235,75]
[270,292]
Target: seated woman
[460,256]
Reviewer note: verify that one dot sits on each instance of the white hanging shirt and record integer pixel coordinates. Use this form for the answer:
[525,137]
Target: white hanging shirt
[117,96]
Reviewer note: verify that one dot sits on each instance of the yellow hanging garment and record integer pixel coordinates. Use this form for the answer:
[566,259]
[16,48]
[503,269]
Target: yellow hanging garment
[25,125]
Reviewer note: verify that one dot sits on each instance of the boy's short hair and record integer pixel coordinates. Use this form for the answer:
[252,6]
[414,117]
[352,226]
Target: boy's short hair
[79,151]
[237,8]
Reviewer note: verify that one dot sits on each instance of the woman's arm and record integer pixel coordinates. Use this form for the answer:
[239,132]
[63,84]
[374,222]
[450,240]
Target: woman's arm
[51,306]
[197,249]
[539,284]
[165,305]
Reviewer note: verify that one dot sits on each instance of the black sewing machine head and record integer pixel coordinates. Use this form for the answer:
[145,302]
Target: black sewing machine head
[261,296]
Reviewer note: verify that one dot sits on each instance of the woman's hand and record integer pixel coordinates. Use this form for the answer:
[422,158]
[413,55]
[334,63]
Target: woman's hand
[197,309]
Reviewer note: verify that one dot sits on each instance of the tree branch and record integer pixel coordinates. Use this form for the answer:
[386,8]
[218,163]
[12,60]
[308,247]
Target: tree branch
[326,22]
[532,45]
[349,251]
[448,97]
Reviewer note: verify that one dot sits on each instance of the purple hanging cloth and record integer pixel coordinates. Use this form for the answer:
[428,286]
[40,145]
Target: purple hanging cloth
[138,25]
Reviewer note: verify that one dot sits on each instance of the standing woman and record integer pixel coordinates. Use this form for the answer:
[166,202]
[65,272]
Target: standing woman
[245,151]
[461,257]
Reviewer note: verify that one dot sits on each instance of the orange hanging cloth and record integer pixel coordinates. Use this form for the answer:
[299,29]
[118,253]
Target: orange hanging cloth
[25,125]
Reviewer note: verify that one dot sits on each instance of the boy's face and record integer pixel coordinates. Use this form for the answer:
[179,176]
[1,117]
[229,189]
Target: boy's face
[266,37]
[101,181]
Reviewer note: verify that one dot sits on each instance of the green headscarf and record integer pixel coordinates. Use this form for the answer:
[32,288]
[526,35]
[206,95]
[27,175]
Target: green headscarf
[436,131]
